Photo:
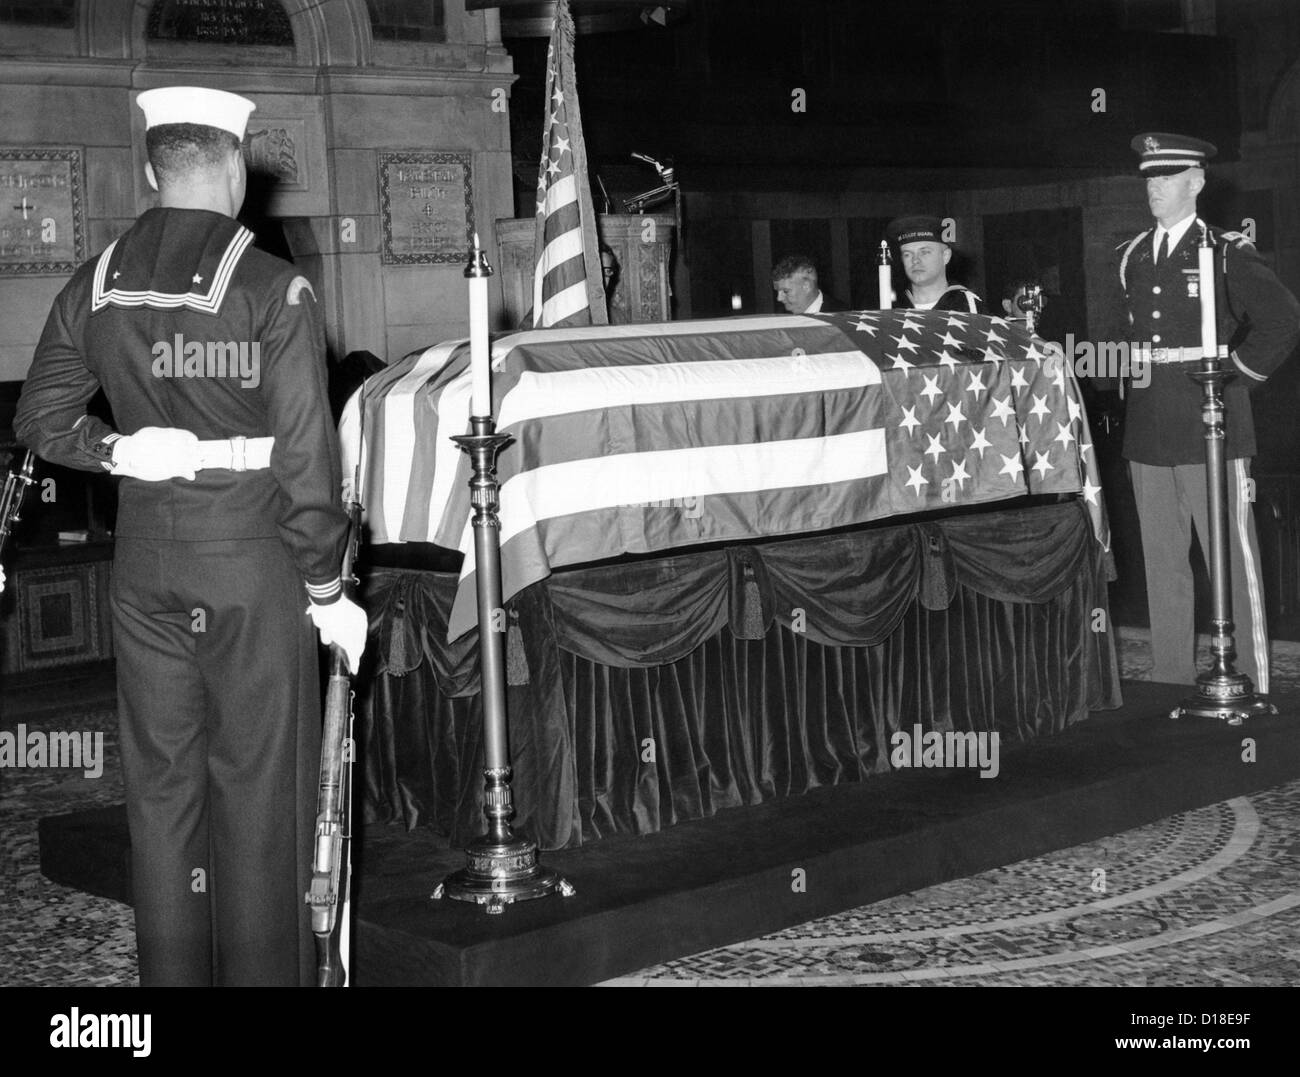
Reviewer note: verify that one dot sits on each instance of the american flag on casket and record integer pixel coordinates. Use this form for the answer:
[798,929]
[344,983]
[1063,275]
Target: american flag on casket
[640,438]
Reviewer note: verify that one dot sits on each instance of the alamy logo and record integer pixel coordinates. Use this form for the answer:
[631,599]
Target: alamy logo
[691,505]
[952,749]
[77,1029]
[77,751]
[181,358]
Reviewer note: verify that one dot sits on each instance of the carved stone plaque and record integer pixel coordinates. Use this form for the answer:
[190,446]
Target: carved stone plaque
[278,148]
[41,227]
[427,204]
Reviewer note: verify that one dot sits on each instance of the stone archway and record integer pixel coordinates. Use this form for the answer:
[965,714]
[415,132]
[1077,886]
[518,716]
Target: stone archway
[331,32]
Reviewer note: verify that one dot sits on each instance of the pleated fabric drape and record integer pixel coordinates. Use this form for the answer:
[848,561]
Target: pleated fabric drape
[653,691]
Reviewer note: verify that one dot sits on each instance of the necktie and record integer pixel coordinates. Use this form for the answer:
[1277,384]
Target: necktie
[1163,253]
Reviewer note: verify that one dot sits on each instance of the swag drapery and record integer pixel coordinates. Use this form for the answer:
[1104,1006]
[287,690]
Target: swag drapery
[648,692]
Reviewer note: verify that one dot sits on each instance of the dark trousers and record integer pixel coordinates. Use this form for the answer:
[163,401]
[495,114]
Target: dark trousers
[1169,501]
[219,711]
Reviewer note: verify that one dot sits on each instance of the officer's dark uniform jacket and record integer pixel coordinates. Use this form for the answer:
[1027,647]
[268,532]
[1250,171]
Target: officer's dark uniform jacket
[955,298]
[187,277]
[1258,318]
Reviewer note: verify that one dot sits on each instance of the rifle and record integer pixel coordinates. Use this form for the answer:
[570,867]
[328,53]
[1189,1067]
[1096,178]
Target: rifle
[330,896]
[11,500]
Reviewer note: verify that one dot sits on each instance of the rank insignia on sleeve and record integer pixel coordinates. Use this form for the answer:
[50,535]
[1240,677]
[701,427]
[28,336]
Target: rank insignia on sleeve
[296,287]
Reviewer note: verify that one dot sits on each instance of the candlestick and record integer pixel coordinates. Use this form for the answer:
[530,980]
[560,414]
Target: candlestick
[885,277]
[502,866]
[477,271]
[1221,691]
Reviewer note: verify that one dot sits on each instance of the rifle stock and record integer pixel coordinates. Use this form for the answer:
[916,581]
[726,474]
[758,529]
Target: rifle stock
[330,893]
[11,498]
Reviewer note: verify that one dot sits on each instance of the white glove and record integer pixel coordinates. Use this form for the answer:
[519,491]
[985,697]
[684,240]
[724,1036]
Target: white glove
[155,453]
[2,579]
[345,623]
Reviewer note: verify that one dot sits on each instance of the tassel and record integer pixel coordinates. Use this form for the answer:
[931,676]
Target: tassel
[397,640]
[752,607]
[516,660]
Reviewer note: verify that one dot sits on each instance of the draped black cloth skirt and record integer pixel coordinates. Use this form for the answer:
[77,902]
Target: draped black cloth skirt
[648,692]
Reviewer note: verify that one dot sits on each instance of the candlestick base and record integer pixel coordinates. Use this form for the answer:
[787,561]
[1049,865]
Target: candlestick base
[1227,696]
[499,873]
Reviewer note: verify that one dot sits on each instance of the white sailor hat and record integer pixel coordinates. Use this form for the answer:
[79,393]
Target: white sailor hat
[1162,154]
[198,105]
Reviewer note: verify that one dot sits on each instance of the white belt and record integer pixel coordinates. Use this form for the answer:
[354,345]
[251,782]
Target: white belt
[1168,355]
[236,454]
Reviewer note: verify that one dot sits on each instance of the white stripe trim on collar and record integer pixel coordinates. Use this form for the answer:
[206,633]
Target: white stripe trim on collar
[205,303]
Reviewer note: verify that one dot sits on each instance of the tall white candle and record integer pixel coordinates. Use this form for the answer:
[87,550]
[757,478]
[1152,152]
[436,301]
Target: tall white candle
[480,352]
[885,277]
[1209,328]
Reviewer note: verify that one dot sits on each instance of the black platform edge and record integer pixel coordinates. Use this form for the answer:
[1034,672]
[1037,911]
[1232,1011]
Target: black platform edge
[698,885]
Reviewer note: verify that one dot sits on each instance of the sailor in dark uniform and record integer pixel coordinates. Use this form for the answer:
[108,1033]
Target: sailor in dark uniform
[230,526]
[925,255]
[1164,437]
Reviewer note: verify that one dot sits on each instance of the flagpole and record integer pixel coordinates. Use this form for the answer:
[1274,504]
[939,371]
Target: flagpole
[590,243]
[502,866]
[563,193]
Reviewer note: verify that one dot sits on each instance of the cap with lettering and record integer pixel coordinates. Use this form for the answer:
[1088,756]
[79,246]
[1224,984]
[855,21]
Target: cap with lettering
[916,230]
[1163,154]
[198,105]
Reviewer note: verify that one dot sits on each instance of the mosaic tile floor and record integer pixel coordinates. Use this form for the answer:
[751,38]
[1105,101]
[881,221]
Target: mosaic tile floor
[1206,898]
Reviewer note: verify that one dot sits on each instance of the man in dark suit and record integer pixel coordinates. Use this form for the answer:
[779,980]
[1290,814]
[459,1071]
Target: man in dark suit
[1164,436]
[794,278]
[211,354]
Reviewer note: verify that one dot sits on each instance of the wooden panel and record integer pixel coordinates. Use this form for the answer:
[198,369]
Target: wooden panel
[642,244]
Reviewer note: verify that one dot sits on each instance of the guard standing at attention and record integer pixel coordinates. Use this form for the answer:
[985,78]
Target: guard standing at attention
[925,255]
[1164,436]
[230,533]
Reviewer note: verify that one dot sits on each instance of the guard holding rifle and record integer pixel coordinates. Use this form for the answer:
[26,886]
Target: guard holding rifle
[211,354]
[1163,432]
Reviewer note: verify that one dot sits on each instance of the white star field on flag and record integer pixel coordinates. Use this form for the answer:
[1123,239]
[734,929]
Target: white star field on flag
[977,405]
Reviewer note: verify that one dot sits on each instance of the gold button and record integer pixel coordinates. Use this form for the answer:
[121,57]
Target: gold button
[1155,314]
[1155,338]
[1155,290]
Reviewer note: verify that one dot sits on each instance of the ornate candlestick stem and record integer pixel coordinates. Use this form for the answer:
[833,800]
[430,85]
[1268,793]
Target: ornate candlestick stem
[502,867]
[1221,692]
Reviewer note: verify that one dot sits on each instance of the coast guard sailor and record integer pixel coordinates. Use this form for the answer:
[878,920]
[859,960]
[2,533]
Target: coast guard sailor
[211,354]
[1164,437]
[925,255]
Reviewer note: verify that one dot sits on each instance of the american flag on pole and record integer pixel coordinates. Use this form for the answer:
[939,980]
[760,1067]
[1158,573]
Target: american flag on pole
[568,286]
[642,438]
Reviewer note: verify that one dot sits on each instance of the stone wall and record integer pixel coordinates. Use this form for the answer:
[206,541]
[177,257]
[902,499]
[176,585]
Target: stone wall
[341,98]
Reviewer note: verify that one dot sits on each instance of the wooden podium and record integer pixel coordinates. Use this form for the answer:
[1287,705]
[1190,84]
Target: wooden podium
[642,243]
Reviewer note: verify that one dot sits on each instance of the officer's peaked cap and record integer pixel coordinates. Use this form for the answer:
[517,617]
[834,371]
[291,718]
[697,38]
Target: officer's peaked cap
[1162,154]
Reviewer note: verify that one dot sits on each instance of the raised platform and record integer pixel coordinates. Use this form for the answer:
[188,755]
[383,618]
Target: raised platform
[707,883]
